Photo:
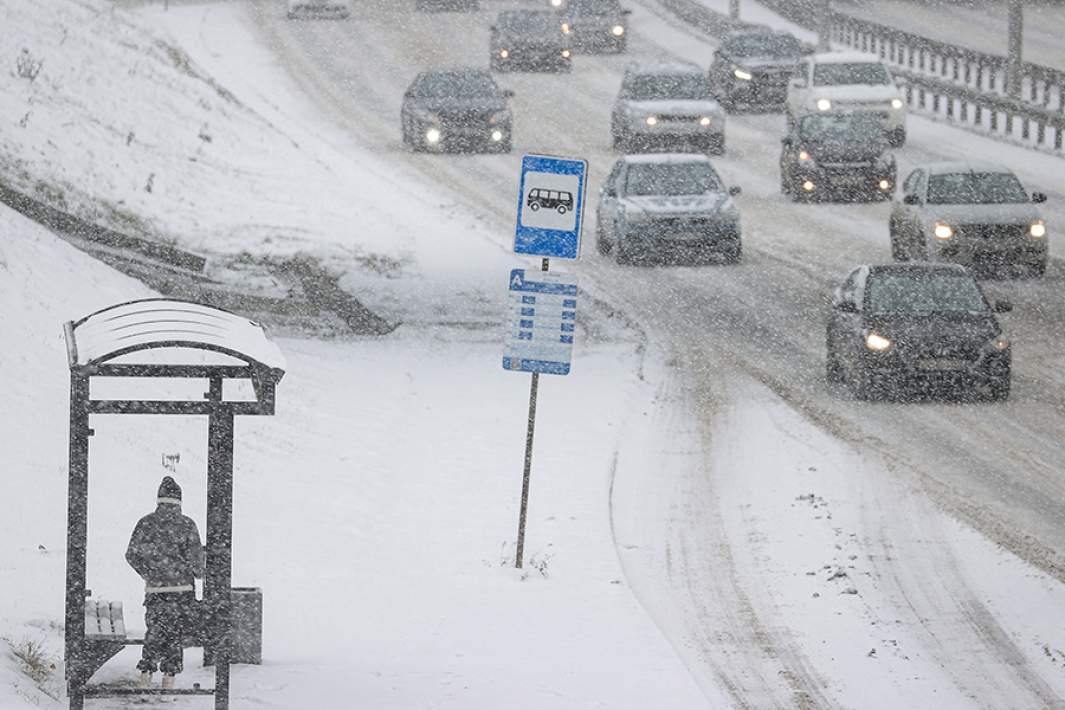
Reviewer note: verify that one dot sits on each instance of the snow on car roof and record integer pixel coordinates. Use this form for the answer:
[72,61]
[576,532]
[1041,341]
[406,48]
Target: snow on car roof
[964,166]
[845,58]
[665,158]
[664,68]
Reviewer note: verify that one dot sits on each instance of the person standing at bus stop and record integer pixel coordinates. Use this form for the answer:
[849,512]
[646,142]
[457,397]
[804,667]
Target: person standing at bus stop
[165,551]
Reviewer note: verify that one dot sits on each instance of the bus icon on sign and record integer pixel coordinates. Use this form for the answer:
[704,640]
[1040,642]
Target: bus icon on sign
[558,200]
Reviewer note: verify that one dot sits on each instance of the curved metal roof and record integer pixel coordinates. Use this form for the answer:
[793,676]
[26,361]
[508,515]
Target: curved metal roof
[167,323]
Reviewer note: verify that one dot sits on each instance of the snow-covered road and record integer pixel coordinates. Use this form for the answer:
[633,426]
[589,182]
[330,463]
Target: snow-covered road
[762,323]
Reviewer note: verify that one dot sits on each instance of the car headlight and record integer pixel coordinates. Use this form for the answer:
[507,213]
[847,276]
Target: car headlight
[877,343]
[1000,343]
[884,185]
[804,156]
[651,120]
[565,25]
[556,3]
[942,230]
[823,104]
[705,121]
[497,135]
[617,30]
[504,53]
[565,54]
[1037,229]
[742,74]
[432,135]
[896,104]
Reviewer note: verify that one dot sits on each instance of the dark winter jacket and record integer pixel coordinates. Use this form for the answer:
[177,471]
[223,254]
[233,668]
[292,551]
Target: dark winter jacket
[165,550]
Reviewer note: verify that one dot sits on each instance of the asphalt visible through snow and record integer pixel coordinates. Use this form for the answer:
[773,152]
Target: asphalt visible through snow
[995,466]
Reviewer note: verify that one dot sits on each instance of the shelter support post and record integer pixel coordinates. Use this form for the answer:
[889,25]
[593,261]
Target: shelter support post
[218,579]
[77,535]
[1015,52]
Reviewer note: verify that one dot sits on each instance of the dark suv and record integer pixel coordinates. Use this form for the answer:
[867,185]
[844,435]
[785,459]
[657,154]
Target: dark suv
[595,25]
[529,39]
[753,67]
[457,109]
[840,155]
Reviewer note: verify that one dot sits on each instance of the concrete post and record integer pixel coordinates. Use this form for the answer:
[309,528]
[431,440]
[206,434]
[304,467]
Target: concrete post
[734,9]
[823,8]
[1015,53]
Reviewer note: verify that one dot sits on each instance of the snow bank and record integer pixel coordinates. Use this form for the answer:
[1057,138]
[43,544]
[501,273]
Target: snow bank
[244,166]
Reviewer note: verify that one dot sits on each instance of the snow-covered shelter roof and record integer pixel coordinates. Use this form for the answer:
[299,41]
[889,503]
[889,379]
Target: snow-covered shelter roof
[154,323]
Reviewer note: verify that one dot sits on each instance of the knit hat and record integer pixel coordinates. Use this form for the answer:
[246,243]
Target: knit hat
[169,491]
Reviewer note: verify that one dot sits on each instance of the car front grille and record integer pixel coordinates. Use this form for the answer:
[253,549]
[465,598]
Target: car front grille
[681,118]
[670,227]
[465,117]
[992,231]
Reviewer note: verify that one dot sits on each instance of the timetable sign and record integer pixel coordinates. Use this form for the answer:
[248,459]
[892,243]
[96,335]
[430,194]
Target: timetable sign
[541,321]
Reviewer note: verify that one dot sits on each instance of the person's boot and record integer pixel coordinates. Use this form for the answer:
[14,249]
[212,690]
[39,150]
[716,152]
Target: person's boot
[145,680]
[168,681]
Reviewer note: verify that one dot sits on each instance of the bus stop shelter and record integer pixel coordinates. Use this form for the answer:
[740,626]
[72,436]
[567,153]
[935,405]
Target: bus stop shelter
[144,340]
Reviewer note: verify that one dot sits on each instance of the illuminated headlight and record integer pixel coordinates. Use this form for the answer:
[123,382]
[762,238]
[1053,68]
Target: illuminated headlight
[896,104]
[565,25]
[565,54]
[432,135]
[884,185]
[808,186]
[804,156]
[823,104]
[617,30]
[1000,343]
[497,135]
[704,121]
[741,74]
[504,53]
[877,343]
[556,3]
[1037,229]
[651,120]
[942,230]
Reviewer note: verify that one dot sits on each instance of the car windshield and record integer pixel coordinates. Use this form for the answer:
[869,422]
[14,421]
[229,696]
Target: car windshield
[841,73]
[672,179]
[444,84]
[777,46]
[595,7]
[975,188]
[648,87]
[531,22]
[859,127]
[924,293]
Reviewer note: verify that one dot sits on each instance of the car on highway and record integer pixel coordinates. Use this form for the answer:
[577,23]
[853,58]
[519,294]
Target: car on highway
[848,81]
[595,25]
[920,328]
[447,5]
[457,110]
[753,66]
[666,106]
[970,212]
[529,39]
[339,9]
[667,206]
[837,155]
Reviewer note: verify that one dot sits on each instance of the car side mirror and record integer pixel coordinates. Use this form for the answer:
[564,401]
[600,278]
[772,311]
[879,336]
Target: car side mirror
[408,94]
[846,307]
[1003,306]
[734,190]
[493,28]
[626,12]
[911,199]
[786,140]
[508,93]
[1039,197]
[609,191]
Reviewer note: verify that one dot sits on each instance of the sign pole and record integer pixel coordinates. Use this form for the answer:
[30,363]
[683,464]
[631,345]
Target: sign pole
[519,555]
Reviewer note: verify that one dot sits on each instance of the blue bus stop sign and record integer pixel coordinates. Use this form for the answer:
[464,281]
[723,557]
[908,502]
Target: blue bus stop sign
[550,206]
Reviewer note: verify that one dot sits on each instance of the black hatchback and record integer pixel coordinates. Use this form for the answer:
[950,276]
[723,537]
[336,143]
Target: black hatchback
[838,155]
[917,328]
[460,110]
[529,39]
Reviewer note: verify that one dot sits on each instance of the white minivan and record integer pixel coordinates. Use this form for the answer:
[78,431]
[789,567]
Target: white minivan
[848,81]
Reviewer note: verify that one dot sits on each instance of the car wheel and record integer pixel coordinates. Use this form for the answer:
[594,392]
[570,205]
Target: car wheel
[716,145]
[897,138]
[785,184]
[833,370]
[998,388]
[621,142]
[897,252]
[1037,270]
[622,253]
[733,250]
[601,244]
